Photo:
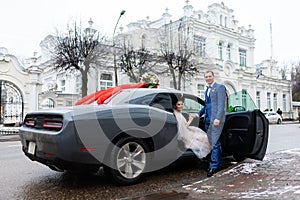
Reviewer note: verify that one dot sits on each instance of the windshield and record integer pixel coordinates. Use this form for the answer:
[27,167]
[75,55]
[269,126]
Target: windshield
[131,96]
[240,101]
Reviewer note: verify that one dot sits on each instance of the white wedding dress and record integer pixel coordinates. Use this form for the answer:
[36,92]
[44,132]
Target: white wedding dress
[193,137]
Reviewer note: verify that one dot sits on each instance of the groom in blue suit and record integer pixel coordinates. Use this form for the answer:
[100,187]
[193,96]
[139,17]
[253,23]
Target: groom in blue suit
[214,118]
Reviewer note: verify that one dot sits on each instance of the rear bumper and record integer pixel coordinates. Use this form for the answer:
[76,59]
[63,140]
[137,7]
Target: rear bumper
[58,150]
[58,164]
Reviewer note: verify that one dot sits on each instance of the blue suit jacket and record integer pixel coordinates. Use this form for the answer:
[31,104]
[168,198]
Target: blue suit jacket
[215,105]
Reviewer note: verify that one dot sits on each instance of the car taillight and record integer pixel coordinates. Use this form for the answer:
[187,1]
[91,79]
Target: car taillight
[52,124]
[86,149]
[30,122]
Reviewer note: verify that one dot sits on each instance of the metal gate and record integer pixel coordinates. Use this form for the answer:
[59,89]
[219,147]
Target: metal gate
[11,102]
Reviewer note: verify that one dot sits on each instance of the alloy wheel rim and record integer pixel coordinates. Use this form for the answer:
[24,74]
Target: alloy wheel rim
[131,160]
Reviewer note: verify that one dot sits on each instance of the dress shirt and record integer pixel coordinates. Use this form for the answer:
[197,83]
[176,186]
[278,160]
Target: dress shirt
[209,88]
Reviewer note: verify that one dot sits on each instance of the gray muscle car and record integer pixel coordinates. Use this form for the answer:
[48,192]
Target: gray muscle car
[133,132]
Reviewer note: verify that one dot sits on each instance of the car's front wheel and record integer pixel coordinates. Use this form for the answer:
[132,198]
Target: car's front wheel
[129,160]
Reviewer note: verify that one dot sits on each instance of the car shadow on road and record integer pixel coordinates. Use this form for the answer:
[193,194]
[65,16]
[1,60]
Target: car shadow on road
[70,185]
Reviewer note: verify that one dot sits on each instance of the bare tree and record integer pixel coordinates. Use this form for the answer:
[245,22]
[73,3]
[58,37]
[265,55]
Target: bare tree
[78,49]
[283,71]
[136,62]
[177,52]
[296,81]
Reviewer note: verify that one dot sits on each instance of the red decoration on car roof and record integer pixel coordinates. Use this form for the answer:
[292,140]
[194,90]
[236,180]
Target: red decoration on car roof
[102,95]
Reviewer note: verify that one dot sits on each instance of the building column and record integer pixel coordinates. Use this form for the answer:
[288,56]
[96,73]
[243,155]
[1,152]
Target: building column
[34,85]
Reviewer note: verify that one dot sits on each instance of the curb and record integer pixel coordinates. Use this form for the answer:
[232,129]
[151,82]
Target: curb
[9,137]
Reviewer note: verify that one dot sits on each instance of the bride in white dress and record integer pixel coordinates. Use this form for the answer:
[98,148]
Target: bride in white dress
[193,137]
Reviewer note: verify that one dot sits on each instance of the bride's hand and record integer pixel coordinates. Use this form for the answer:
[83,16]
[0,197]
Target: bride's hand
[190,121]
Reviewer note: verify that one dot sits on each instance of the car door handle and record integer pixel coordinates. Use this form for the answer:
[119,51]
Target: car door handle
[259,132]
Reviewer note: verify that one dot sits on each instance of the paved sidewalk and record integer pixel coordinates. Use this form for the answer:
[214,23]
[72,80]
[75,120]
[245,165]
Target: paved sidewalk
[276,177]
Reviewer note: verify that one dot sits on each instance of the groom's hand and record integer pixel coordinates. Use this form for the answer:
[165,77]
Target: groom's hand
[216,122]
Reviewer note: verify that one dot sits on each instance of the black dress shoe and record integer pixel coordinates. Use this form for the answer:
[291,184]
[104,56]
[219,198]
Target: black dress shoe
[212,171]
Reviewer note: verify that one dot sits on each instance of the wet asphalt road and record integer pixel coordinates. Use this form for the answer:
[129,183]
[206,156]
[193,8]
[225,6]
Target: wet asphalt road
[24,179]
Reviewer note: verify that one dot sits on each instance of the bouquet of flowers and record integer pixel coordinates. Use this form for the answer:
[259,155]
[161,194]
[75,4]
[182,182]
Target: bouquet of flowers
[150,78]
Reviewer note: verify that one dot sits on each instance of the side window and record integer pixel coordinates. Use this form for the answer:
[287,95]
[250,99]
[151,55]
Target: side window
[163,101]
[143,100]
[191,106]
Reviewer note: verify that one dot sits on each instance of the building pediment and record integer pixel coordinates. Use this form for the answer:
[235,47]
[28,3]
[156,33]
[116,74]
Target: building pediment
[8,61]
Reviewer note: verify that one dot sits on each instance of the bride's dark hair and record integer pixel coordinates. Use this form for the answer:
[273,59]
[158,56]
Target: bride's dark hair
[176,100]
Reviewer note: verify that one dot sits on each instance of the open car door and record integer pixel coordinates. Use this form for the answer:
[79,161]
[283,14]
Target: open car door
[245,134]
[246,131]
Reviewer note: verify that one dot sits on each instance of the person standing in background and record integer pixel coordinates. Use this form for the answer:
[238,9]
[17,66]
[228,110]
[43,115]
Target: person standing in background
[279,112]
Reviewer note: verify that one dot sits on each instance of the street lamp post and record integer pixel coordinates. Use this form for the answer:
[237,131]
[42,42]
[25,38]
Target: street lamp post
[115,61]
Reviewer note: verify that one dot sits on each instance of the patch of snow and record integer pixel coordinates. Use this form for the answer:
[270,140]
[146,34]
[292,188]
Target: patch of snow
[272,191]
[244,168]
[201,191]
[190,185]
[291,151]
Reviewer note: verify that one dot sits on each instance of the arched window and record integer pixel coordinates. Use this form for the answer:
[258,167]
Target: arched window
[199,46]
[243,56]
[200,90]
[221,20]
[144,37]
[228,52]
[225,21]
[63,85]
[48,103]
[220,50]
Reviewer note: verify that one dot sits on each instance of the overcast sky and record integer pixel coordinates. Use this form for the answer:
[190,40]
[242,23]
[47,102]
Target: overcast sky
[24,23]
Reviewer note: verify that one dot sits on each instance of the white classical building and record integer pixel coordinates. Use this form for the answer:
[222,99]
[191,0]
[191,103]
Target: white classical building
[219,43]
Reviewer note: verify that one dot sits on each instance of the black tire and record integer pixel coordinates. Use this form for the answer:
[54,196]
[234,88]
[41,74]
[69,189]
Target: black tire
[134,164]
[279,121]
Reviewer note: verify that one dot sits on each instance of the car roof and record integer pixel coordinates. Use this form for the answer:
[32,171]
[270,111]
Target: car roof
[159,90]
[163,90]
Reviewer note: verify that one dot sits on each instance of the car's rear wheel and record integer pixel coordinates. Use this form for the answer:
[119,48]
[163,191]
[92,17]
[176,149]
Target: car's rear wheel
[279,121]
[129,160]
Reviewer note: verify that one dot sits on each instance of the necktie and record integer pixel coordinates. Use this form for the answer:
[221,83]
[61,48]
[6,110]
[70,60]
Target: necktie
[207,92]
